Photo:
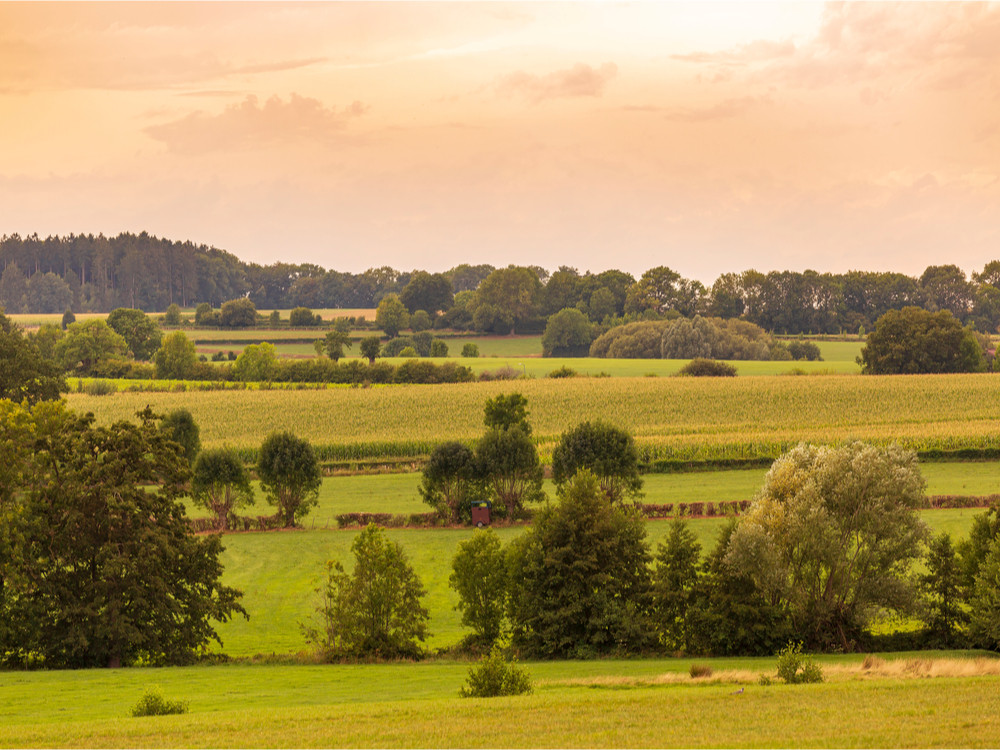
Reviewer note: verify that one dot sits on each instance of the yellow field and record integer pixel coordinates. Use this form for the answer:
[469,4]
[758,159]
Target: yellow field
[670,417]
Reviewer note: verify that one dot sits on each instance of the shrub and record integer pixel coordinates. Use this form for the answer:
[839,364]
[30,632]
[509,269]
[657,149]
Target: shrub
[439,348]
[100,388]
[563,372]
[494,675]
[700,367]
[154,704]
[794,668]
[700,670]
[408,351]
[470,350]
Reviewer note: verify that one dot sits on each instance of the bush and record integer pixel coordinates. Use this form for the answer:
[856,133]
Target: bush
[301,317]
[100,388]
[794,668]
[470,350]
[494,675]
[563,372]
[408,351]
[439,348]
[700,367]
[804,350]
[154,704]
[700,670]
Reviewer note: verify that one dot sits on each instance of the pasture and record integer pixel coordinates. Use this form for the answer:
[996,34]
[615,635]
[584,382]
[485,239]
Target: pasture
[692,419]
[926,700]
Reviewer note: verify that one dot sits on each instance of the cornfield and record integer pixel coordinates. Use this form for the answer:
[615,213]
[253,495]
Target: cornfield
[687,419]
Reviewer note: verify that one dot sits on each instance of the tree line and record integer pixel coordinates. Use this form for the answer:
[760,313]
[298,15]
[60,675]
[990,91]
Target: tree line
[98,274]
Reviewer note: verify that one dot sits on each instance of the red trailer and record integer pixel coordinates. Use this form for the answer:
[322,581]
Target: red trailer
[481,513]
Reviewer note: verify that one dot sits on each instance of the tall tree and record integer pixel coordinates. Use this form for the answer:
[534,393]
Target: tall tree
[141,333]
[289,474]
[25,375]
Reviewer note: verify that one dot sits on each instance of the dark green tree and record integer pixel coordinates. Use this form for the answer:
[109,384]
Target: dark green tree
[427,291]
[25,375]
[140,331]
[122,578]
[172,317]
[579,578]
[302,317]
[220,483]
[609,453]
[942,588]
[675,582]
[913,340]
[289,474]
[180,427]
[567,334]
[369,348]
[984,615]
[450,481]
[479,575]
[238,313]
[375,612]
[67,319]
[512,294]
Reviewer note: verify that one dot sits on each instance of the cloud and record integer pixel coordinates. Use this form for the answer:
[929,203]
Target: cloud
[250,125]
[580,80]
[761,50]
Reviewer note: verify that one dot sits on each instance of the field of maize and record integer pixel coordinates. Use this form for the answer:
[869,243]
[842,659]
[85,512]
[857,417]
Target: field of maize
[688,419]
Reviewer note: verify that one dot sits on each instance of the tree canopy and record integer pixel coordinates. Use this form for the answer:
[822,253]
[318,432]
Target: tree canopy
[289,474]
[122,578]
[913,340]
[25,374]
[607,451]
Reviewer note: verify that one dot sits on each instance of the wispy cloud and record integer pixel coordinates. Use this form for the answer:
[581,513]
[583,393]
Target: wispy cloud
[250,124]
[580,80]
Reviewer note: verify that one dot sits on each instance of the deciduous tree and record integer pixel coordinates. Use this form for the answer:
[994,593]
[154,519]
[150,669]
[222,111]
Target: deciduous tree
[290,475]
[607,451]
[221,484]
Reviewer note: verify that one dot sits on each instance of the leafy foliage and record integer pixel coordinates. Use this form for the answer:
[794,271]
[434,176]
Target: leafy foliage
[674,585]
[391,315]
[238,313]
[579,578]
[700,368]
[180,427]
[831,535]
[479,575]
[141,333]
[176,357]
[795,669]
[122,578]
[508,463]
[913,340]
[567,334]
[506,411]
[450,480]
[494,675]
[942,588]
[153,704]
[88,344]
[607,451]
[289,474]
[25,375]
[375,612]
[221,484]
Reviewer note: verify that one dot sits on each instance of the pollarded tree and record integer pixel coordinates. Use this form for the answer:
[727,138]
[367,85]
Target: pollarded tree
[449,482]
[25,375]
[508,463]
[140,331]
[289,474]
[221,484]
[912,340]
[579,578]
[831,535]
[374,612]
[479,575]
[609,453]
[122,577]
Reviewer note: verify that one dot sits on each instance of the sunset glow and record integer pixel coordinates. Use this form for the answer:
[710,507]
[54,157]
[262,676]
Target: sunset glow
[710,137]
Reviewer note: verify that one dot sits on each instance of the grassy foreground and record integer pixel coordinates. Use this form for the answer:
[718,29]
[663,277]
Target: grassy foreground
[576,704]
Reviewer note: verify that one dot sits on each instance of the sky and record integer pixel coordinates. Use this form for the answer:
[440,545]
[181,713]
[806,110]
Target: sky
[710,137]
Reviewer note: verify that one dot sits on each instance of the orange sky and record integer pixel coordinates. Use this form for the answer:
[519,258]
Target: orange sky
[710,137]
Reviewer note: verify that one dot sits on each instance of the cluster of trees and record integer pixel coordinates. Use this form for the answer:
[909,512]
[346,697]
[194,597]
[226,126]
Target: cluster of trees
[504,467]
[827,549]
[98,565]
[84,272]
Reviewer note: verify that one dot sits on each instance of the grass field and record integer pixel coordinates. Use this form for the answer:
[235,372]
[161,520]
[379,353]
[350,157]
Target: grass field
[278,573]
[636,703]
[684,418]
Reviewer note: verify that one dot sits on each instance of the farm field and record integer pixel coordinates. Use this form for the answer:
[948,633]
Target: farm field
[398,492]
[278,573]
[693,419]
[607,703]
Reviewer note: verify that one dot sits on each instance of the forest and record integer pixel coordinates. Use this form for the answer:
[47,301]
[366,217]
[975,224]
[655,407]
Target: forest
[87,273]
